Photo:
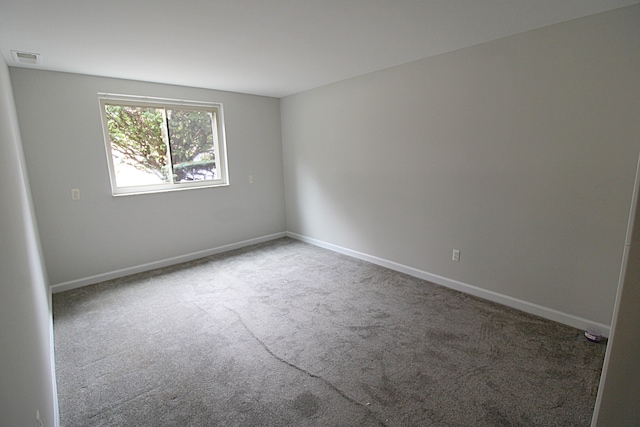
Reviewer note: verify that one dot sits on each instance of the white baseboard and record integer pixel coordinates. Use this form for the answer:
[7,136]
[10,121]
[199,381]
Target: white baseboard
[527,307]
[78,283]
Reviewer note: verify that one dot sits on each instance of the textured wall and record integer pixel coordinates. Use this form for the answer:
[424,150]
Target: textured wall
[64,149]
[520,152]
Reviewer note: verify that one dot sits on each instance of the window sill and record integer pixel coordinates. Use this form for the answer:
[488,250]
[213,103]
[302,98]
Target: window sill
[138,192]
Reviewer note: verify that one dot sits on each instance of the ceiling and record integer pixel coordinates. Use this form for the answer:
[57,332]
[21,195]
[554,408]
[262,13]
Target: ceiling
[265,47]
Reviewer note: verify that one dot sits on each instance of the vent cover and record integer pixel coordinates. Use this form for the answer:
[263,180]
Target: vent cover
[26,57]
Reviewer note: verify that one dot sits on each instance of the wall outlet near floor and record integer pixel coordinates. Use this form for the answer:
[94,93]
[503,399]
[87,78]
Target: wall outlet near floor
[75,194]
[455,255]
[250,179]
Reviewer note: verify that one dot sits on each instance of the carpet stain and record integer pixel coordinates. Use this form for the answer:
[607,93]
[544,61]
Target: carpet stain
[379,314]
[365,332]
[494,415]
[383,392]
[307,404]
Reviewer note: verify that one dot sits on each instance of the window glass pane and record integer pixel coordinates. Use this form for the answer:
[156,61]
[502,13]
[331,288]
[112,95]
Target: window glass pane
[138,147]
[157,144]
[192,145]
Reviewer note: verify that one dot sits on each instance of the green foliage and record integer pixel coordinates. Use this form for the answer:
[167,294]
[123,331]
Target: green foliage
[191,137]
[137,135]
[194,171]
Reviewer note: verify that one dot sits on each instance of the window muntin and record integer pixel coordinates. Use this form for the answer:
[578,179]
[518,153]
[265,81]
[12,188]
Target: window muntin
[158,144]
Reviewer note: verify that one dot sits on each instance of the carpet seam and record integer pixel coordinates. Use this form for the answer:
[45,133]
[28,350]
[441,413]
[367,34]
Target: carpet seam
[294,366]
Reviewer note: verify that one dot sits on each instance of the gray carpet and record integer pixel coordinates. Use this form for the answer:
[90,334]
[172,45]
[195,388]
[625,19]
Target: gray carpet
[288,334]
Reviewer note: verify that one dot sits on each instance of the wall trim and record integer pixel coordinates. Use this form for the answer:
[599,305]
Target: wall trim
[91,280]
[527,307]
[52,360]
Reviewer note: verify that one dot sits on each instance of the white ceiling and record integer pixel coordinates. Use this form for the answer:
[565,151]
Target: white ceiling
[266,47]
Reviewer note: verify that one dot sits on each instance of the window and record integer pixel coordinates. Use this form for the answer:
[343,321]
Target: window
[158,144]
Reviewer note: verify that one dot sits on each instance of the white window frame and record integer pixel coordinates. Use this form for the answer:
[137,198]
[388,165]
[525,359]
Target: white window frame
[219,140]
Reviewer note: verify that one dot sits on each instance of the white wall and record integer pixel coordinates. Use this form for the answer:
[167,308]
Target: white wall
[519,152]
[617,403]
[26,373]
[100,234]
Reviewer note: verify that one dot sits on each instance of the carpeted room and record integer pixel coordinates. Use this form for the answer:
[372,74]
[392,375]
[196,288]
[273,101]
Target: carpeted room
[514,151]
[286,333]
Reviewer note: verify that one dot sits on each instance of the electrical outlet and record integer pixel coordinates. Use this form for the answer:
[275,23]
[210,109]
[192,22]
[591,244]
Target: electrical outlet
[38,420]
[455,256]
[75,194]
[250,179]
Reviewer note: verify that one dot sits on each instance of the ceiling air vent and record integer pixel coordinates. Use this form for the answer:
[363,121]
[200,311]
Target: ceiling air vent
[26,57]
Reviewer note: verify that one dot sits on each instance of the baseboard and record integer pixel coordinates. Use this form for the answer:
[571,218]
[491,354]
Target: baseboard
[527,307]
[78,283]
